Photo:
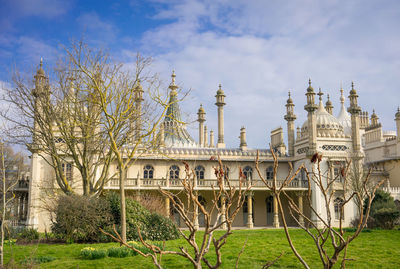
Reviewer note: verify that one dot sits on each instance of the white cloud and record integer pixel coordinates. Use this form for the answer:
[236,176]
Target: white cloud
[98,31]
[41,8]
[259,50]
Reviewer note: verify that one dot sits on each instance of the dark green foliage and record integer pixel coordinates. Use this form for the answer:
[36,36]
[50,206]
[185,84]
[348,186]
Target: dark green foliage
[384,211]
[37,260]
[28,235]
[152,225]
[161,228]
[79,218]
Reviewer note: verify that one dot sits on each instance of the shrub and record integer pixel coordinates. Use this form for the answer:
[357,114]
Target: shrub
[37,260]
[28,235]
[92,253]
[79,218]
[152,225]
[384,211]
[161,228]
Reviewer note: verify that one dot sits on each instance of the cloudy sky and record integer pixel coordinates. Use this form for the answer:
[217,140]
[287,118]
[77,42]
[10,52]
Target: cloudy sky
[257,50]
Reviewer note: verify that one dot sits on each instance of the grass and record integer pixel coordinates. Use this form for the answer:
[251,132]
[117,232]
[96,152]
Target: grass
[374,249]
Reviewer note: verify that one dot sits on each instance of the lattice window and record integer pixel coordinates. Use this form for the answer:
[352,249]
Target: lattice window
[248,172]
[174,172]
[199,172]
[338,206]
[148,172]
[334,147]
[270,172]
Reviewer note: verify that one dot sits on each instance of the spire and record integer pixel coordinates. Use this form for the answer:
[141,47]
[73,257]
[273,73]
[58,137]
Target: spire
[320,93]
[328,105]
[341,95]
[175,133]
[310,89]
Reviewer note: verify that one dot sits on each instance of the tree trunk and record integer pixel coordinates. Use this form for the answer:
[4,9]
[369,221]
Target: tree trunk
[3,213]
[122,178]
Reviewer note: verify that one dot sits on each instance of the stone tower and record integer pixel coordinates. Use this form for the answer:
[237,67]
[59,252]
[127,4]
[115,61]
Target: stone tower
[311,107]
[354,111]
[201,119]
[220,102]
[397,119]
[290,117]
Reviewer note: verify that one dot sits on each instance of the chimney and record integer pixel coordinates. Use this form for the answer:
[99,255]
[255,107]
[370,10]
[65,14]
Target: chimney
[211,139]
[205,137]
[201,119]
[277,143]
[243,144]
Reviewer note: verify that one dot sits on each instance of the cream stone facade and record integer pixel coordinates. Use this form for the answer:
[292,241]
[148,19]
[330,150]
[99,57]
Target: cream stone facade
[337,138]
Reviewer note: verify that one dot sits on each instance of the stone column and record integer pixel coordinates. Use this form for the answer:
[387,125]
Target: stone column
[250,223]
[201,119]
[276,215]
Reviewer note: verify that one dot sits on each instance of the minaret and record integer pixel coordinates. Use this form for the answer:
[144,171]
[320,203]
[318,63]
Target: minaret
[290,118]
[355,110]
[220,104]
[201,119]
[311,107]
[205,137]
[243,144]
[211,138]
[397,119]
[329,106]
[138,95]
[40,91]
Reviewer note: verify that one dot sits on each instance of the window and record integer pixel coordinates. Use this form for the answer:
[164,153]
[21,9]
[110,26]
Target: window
[174,172]
[148,172]
[248,172]
[303,175]
[199,172]
[226,172]
[338,206]
[67,170]
[270,172]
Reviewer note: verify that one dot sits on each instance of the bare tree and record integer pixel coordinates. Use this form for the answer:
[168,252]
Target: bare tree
[7,185]
[325,235]
[59,121]
[130,128]
[228,199]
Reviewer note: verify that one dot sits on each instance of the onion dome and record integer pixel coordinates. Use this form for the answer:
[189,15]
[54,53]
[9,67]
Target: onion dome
[310,89]
[398,114]
[40,71]
[344,117]
[327,125]
[329,106]
[373,115]
[352,91]
[289,100]
[220,91]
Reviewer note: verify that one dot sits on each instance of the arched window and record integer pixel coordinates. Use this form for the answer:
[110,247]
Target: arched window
[270,172]
[148,172]
[338,205]
[199,172]
[67,169]
[248,172]
[174,172]
[226,172]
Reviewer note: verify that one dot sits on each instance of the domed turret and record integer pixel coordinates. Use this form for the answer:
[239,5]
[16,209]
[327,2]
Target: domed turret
[327,125]
[329,106]
[344,117]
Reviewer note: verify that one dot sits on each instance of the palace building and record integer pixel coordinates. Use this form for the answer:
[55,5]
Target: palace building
[349,135]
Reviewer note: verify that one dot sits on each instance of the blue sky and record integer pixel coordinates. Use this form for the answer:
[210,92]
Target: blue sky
[257,50]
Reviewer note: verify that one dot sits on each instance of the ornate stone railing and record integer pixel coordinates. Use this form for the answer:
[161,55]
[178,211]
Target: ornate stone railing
[141,183]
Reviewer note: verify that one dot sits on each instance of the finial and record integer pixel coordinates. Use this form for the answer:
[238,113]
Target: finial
[309,82]
[328,96]
[41,62]
[398,109]
[320,94]
[289,94]
[352,85]
[173,77]
[219,86]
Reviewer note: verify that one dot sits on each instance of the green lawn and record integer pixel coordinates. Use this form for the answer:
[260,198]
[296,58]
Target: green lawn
[375,249]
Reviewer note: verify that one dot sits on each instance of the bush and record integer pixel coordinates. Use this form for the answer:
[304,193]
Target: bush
[152,225]
[79,218]
[92,253]
[28,235]
[384,211]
